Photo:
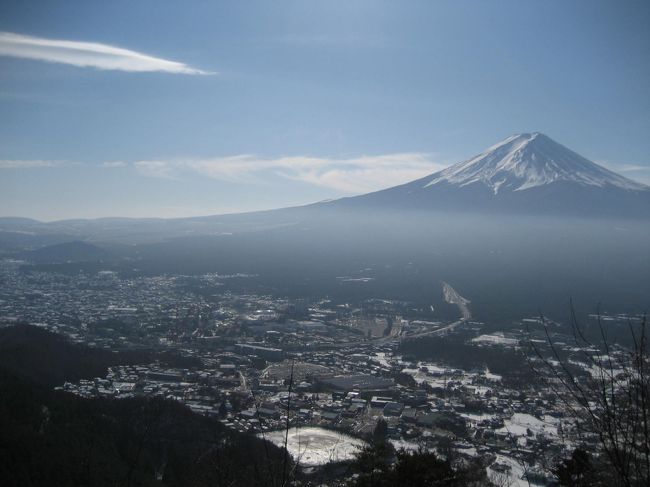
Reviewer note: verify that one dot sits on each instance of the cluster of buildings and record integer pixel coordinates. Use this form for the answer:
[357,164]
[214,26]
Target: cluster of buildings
[264,362]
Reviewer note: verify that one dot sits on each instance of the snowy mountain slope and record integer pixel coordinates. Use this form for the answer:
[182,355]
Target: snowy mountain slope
[525,173]
[526,161]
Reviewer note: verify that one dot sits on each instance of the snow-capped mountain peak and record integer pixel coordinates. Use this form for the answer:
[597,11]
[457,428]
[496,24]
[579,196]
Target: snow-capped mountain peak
[525,161]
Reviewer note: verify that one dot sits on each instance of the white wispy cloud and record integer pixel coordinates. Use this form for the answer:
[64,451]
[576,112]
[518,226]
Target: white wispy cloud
[637,172]
[28,163]
[633,168]
[114,164]
[88,54]
[622,167]
[348,175]
[352,175]
[156,169]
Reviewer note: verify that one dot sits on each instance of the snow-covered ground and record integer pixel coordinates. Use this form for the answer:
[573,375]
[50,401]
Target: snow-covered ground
[477,418]
[423,377]
[382,359]
[514,474]
[490,376]
[605,371]
[439,376]
[496,339]
[519,425]
[312,446]
[405,444]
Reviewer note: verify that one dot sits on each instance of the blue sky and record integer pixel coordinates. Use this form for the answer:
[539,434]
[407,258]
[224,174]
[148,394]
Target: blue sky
[161,108]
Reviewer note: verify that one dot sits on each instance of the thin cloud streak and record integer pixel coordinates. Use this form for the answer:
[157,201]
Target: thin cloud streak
[623,167]
[88,54]
[348,175]
[636,172]
[28,164]
[155,169]
[633,168]
[114,164]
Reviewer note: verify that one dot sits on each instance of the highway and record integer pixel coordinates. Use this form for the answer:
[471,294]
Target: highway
[451,296]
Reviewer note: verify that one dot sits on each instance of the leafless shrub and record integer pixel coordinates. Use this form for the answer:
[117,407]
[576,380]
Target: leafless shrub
[611,402]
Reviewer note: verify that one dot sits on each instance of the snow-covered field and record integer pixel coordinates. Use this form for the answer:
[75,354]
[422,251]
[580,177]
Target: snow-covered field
[411,446]
[490,376]
[421,376]
[477,418]
[312,446]
[519,425]
[514,474]
[438,376]
[496,339]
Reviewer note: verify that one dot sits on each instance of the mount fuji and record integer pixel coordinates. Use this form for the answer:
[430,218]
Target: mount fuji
[525,173]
